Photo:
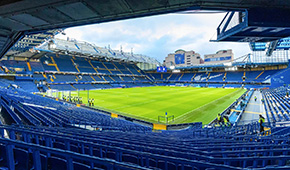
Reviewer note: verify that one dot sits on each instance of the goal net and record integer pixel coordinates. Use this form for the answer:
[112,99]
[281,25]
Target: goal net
[166,119]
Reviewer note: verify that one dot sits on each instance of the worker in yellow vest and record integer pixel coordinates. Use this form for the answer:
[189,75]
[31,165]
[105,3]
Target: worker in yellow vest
[261,121]
[93,101]
[219,119]
[226,121]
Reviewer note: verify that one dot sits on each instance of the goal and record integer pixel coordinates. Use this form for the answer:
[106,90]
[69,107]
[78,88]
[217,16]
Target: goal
[166,119]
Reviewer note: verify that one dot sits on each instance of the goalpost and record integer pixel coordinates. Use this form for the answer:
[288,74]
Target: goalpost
[166,119]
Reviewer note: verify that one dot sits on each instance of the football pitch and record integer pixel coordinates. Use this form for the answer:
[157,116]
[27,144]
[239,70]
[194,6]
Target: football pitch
[187,104]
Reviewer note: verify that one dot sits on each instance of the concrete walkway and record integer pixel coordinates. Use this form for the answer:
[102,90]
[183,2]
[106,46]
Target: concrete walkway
[253,110]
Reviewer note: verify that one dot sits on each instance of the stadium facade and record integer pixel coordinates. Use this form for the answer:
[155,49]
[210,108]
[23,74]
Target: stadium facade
[221,56]
[182,58]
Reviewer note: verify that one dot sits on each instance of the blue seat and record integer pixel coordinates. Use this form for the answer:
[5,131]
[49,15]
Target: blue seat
[111,155]
[96,152]
[187,167]
[2,156]
[43,159]
[80,166]
[171,165]
[130,158]
[56,163]
[74,148]
[21,158]
[161,164]
[152,163]
[58,145]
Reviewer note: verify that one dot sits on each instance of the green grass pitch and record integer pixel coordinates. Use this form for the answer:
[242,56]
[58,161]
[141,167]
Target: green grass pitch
[187,104]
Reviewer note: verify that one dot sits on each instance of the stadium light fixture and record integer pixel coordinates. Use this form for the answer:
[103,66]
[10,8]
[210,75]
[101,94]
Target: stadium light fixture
[52,46]
[231,68]
[228,64]
[172,67]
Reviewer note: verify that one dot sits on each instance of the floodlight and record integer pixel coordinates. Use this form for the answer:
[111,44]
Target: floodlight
[228,64]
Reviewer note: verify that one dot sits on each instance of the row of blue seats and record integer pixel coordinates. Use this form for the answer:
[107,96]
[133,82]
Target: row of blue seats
[197,144]
[247,76]
[79,64]
[276,105]
[196,152]
[84,78]
[72,87]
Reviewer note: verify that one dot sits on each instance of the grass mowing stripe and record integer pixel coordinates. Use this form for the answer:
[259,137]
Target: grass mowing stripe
[136,104]
[148,119]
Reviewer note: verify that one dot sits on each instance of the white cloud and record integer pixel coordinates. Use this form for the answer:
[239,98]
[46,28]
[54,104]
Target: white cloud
[156,36]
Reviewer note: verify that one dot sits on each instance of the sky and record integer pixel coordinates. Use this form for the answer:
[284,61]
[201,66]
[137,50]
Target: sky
[157,36]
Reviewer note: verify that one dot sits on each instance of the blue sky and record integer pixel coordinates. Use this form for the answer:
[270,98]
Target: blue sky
[156,36]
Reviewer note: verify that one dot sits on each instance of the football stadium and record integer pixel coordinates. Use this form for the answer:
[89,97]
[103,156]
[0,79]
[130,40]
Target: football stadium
[75,105]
